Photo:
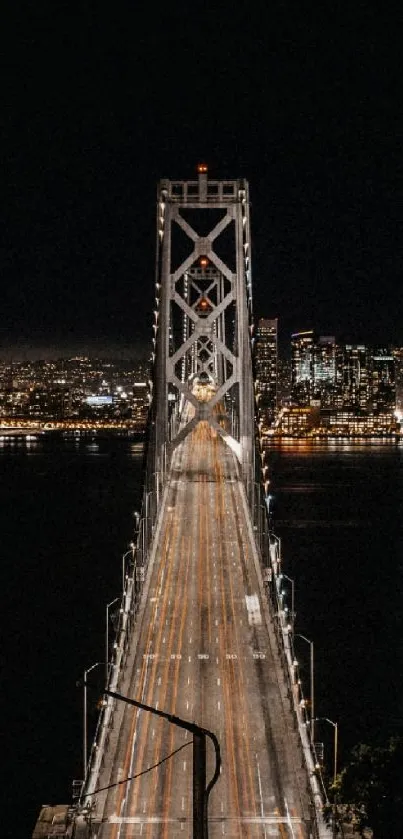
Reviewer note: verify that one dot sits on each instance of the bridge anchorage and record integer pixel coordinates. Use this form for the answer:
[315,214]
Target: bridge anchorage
[203,635]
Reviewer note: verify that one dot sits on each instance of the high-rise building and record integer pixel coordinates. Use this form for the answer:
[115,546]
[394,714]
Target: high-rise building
[324,371]
[302,368]
[266,359]
[398,356]
[383,383]
[353,376]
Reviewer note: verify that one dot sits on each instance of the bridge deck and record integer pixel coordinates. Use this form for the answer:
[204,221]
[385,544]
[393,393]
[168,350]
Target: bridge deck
[205,651]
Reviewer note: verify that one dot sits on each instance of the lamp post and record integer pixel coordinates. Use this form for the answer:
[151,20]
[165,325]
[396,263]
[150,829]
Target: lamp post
[93,666]
[108,605]
[290,580]
[130,551]
[335,743]
[312,688]
[201,792]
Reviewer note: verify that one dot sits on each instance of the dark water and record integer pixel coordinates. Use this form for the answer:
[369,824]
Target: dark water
[66,516]
[339,512]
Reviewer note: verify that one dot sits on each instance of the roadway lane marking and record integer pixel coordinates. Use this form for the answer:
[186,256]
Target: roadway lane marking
[253,607]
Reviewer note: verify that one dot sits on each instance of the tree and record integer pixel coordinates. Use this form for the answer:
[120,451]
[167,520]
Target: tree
[372,784]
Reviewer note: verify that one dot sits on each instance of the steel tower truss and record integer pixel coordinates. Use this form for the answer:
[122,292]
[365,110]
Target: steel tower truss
[203,318]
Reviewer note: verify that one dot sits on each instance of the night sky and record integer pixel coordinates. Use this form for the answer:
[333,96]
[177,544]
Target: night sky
[303,102]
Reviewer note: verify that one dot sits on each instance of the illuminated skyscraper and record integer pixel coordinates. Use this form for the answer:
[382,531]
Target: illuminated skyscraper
[383,384]
[302,367]
[324,371]
[353,376]
[398,356]
[266,358]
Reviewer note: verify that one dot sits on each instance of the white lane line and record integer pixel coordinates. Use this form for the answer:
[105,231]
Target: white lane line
[218,681]
[260,786]
[289,818]
[184,765]
[183,802]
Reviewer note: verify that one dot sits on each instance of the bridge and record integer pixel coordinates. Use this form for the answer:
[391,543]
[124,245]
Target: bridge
[203,729]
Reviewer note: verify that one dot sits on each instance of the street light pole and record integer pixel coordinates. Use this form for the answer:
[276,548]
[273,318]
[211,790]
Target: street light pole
[201,792]
[85,716]
[130,551]
[108,605]
[312,683]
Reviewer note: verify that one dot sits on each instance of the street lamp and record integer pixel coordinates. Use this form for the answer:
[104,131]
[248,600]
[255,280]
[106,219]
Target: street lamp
[201,792]
[335,742]
[290,580]
[130,551]
[85,715]
[108,605]
[312,685]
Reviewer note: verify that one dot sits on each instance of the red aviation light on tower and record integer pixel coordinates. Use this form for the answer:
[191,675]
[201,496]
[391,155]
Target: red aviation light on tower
[202,168]
[203,262]
[203,307]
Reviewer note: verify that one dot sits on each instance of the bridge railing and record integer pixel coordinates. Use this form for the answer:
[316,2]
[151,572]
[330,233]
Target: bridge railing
[133,581]
[269,550]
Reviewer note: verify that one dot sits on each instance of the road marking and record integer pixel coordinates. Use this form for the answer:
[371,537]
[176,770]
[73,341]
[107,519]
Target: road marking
[253,607]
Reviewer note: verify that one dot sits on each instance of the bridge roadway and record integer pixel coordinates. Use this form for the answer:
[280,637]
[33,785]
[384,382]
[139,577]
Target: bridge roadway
[205,651]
